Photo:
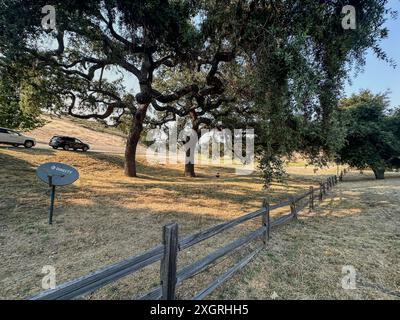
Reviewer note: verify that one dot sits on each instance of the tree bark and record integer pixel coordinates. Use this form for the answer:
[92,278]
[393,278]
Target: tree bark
[189,157]
[189,162]
[189,170]
[379,173]
[133,141]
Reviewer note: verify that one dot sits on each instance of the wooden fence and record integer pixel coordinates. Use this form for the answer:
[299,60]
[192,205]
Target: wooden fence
[167,252]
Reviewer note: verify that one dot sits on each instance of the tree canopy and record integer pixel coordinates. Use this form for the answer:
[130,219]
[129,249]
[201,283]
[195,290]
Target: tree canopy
[372,134]
[281,63]
[21,98]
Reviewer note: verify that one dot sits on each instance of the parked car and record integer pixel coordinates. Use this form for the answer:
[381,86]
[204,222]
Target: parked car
[15,138]
[68,143]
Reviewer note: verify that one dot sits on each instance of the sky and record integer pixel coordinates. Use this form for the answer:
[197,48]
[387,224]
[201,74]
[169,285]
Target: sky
[379,76]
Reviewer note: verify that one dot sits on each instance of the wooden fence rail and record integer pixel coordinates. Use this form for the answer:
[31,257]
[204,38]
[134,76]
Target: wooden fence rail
[167,252]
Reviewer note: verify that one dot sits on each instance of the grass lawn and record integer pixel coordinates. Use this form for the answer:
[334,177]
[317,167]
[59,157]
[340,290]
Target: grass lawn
[358,226]
[106,217]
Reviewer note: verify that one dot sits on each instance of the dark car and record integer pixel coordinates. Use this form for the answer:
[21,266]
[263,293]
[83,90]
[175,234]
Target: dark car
[68,143]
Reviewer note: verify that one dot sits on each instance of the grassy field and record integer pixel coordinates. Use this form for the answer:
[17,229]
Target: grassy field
[358,226]
[106,217]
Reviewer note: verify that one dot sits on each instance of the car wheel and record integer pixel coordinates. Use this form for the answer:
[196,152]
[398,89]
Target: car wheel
[84,149]
[28,144]
[74,149]
[55,148]
[66,147]
[16,145]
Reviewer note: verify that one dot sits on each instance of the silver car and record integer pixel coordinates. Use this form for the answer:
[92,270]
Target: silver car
[15,138]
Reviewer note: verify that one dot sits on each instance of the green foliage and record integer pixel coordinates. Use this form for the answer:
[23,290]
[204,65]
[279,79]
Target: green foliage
[372,138]
[299,65]
[291,59]
[272,167]
[20,101]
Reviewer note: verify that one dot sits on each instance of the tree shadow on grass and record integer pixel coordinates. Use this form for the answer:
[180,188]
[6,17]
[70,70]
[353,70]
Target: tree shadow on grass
[92,227]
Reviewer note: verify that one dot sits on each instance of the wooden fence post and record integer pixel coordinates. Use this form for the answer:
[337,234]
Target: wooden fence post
[168,262]
[341,176]
[321,191]
[311,204]
[336,179]
[293,209]
[266,222]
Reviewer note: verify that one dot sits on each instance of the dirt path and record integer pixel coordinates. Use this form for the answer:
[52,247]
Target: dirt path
[358,226]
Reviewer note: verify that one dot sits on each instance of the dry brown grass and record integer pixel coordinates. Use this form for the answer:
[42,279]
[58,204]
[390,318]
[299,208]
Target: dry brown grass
[359,225]
[105,216]
[100,138]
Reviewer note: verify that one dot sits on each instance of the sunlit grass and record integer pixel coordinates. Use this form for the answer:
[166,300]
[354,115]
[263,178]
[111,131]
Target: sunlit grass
[105,217]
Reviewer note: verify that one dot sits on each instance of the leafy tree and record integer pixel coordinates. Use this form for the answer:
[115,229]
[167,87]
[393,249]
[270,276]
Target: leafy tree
[299,65]
[372,136]
[201,108]
[294,55]
[139,37]
[21,101]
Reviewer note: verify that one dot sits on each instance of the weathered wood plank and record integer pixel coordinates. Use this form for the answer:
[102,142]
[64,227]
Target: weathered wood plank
[282,204]
[101,277]
[225,276]
[301,197]
[200,265]
[206,234]
[281,220]
[301,207]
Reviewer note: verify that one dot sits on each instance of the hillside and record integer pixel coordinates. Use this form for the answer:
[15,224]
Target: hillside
[100,139]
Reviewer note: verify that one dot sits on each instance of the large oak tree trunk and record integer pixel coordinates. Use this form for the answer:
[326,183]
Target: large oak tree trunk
[189,169]
[189,162]
[189,157]
[379,173]
[133,141]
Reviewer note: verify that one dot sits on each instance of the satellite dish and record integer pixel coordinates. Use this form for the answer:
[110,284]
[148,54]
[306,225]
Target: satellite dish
[57,174]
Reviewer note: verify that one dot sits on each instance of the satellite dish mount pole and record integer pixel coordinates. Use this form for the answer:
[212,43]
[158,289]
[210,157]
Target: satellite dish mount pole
[52,197]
